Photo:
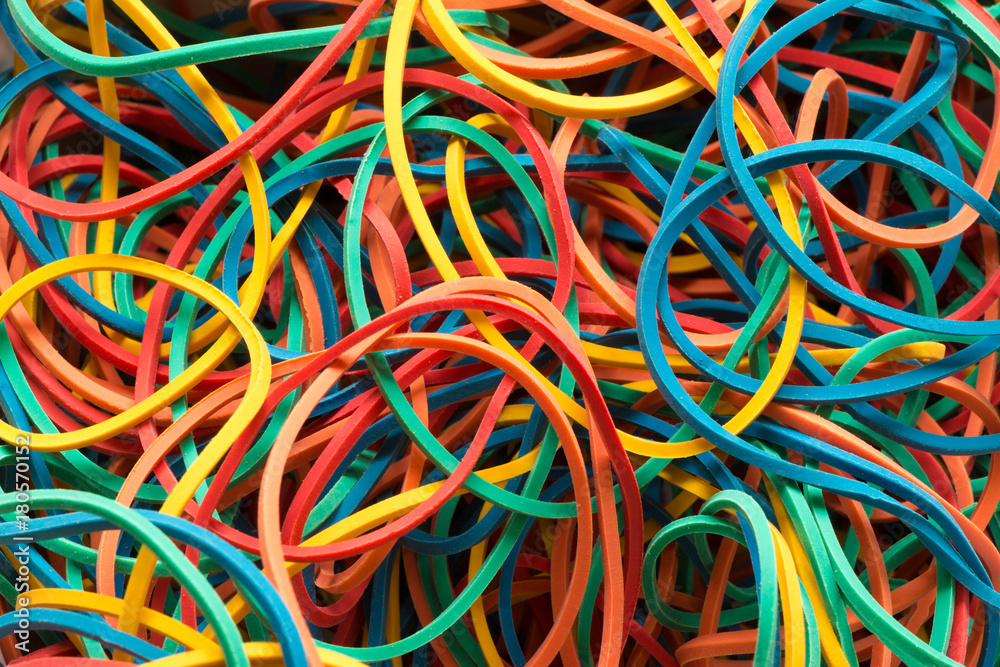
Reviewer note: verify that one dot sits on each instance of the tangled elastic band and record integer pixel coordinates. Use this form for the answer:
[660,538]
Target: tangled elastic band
[500,333]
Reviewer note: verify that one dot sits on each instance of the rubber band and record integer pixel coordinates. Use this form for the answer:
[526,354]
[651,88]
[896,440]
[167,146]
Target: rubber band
[499,332]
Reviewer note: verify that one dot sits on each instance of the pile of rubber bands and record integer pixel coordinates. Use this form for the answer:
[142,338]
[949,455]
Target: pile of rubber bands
[488,333]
